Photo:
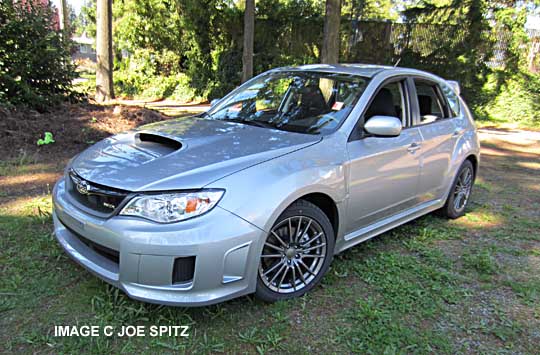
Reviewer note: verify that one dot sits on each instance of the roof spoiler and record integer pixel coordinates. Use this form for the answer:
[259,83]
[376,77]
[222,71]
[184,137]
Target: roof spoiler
[455,85]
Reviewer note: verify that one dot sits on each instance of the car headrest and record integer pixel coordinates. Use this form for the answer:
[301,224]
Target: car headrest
[382,105]
[424,103]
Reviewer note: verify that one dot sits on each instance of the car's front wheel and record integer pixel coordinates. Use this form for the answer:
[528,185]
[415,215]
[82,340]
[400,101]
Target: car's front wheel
[296,254]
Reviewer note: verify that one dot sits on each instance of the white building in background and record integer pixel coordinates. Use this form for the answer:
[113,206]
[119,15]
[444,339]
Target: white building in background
[84,47]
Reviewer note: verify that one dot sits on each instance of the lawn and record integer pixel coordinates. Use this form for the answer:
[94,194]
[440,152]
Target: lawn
[470,285]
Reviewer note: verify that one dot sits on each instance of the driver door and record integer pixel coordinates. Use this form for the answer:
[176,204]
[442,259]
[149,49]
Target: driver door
[383,172]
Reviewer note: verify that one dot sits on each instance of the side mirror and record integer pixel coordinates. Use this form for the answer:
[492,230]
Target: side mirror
[214,102]
[383,126]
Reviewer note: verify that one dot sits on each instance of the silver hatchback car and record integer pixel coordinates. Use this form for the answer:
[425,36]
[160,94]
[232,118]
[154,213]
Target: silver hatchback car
[259,193]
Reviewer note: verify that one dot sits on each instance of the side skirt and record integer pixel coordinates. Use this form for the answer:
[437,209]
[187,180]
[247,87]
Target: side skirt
[386,224]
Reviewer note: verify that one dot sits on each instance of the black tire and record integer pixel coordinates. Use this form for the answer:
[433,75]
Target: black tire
[298,211]
[450,210]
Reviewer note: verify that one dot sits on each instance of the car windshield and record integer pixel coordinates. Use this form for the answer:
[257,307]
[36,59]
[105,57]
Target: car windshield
[304,102]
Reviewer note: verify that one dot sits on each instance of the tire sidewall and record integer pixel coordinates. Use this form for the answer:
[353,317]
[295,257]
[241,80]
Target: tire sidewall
[449,209]
[301,208]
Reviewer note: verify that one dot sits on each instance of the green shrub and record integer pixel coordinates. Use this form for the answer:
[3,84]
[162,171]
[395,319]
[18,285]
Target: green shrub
[35,64]
[137,84]
[513,98]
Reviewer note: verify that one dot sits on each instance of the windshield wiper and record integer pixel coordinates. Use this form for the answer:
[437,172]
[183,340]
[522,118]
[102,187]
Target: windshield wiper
[252,123]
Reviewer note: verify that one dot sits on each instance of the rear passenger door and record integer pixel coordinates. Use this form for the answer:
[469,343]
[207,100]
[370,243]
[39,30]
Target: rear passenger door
[434,117]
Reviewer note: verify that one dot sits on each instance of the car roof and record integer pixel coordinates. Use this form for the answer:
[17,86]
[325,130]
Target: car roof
[365,70]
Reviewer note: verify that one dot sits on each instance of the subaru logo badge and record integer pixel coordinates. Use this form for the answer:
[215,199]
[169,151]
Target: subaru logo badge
[83,187]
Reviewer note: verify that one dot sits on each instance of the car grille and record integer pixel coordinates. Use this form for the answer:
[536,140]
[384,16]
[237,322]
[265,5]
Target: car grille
[95,197]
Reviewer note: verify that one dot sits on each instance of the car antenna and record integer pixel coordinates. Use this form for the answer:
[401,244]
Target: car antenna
[399,60]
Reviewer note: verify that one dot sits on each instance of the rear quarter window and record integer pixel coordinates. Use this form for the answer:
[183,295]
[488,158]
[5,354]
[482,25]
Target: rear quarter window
[452,98]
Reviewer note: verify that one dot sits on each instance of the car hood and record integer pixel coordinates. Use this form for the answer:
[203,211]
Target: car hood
[186,153]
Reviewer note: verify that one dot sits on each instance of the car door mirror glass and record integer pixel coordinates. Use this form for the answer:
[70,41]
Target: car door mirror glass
[383,126]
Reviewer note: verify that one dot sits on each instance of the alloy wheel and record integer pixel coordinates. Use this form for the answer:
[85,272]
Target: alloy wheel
[462,191]
[293,254]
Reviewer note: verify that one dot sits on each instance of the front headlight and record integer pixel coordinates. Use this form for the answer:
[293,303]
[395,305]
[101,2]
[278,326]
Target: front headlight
[172,207]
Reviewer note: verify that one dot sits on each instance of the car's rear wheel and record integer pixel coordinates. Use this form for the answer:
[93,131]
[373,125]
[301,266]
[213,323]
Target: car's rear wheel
[460,192]
[296,254]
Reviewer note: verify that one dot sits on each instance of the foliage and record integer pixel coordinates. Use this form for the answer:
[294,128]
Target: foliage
[463,53]
[86,21]
[381,10]
[149,24]
[150,74]
[35,62]
[511,98]
[191,49]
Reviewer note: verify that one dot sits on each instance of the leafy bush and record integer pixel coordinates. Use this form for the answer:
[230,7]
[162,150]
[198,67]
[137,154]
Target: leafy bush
[153,74]
[35,64]
[512,98]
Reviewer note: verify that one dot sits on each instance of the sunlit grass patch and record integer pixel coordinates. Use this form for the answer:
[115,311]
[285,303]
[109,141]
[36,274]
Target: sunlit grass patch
[529,165]
[481,217]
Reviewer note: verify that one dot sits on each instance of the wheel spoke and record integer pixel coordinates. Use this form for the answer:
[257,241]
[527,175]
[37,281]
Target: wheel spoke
[271,256]
[294,277]
[301,274]
[279,239]
[290,230]
[273,268]
[467,178]
[307,268]
[284,266]
[298,230]
[458,199]
[282,278]
[314,247]
[274,247]
[312,239]
[316,256]
[305,229]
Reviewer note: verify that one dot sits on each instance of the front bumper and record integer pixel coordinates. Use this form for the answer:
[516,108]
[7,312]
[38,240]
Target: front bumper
[225,248]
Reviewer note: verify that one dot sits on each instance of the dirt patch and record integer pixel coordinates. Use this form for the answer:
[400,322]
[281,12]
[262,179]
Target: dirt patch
[74,127]
[27,169]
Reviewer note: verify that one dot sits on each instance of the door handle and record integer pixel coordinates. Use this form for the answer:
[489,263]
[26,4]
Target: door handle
[414,147]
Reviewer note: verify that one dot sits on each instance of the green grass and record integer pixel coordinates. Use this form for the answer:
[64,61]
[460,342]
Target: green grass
[470,285]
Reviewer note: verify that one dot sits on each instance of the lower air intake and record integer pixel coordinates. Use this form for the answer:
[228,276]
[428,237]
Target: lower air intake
[183,270]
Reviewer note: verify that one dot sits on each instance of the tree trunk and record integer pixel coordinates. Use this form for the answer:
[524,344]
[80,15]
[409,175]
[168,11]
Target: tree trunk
[104,67]
[330,47]
[63,16]
[249,34]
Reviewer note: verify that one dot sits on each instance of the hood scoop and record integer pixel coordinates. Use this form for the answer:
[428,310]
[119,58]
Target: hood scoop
[182,154]
[156,143]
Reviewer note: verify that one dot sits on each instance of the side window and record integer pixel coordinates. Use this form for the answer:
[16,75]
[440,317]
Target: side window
[389,101]
[430,104]
[453,100]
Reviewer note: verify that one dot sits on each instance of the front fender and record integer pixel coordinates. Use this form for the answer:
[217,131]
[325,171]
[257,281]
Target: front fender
[261,193]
